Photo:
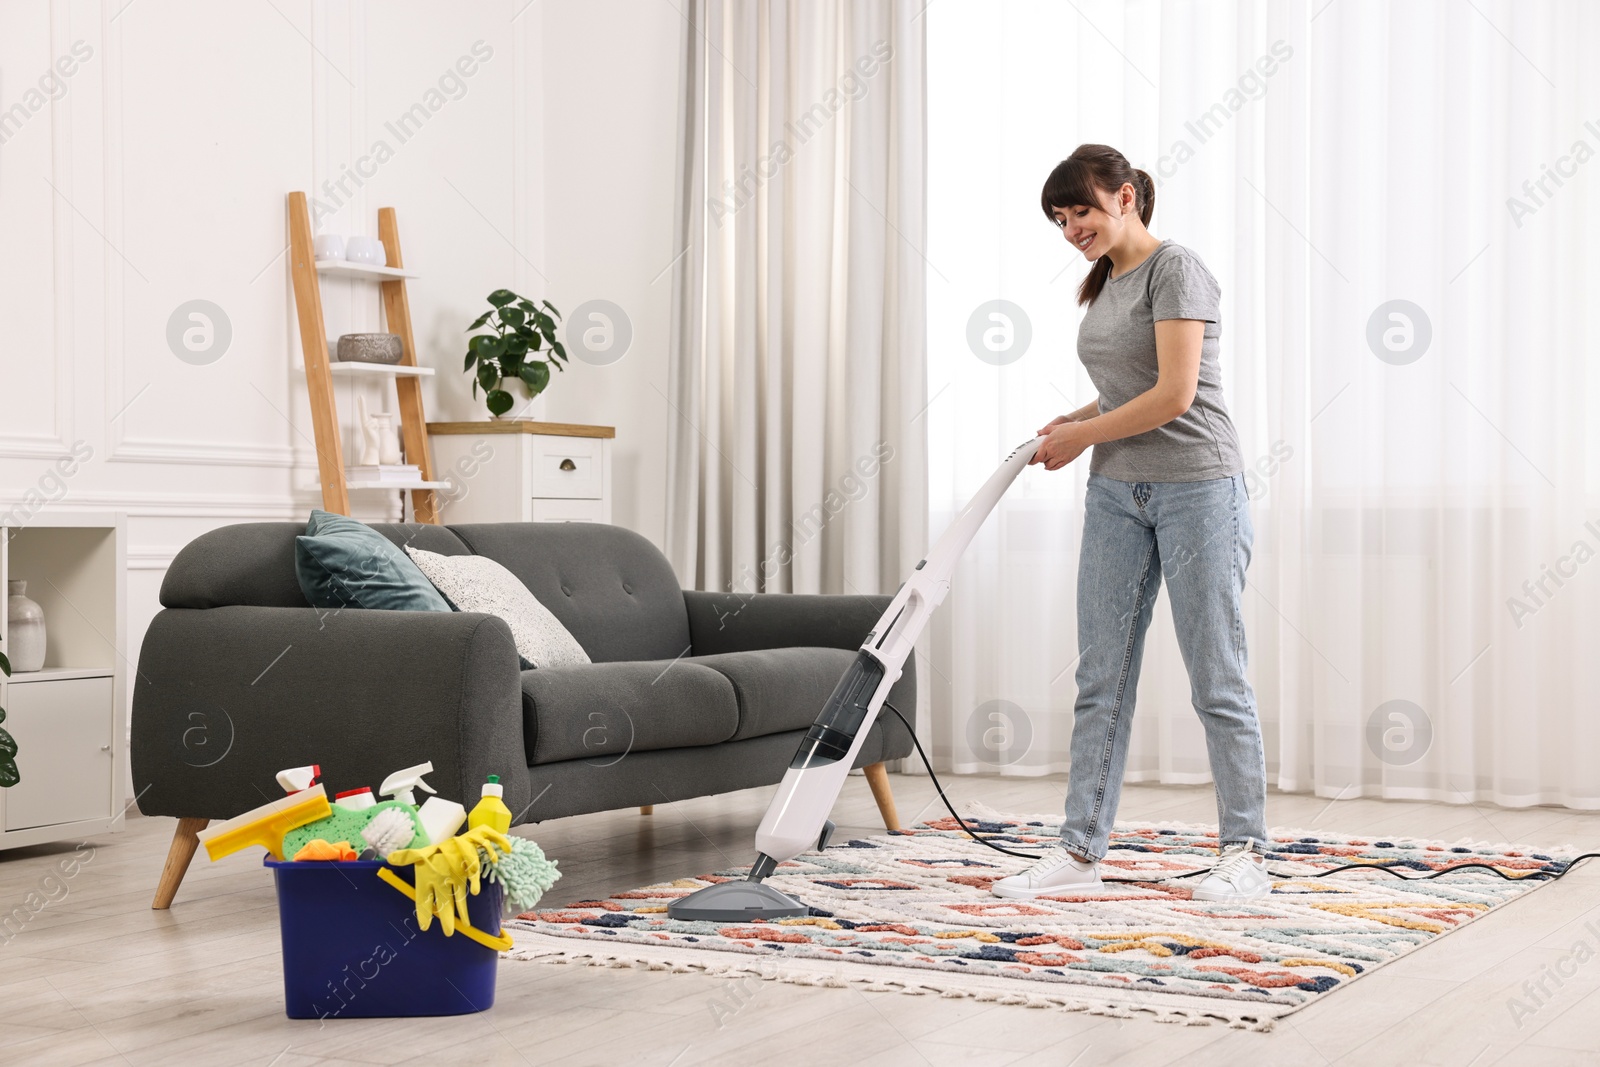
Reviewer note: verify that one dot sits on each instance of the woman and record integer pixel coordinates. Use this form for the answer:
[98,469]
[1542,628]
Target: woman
[1166,499]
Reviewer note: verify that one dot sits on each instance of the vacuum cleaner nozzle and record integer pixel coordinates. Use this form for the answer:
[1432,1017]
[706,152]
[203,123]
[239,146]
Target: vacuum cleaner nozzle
[744,901]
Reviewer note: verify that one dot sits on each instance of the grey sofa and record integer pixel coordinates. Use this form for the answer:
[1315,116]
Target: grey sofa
[690,693]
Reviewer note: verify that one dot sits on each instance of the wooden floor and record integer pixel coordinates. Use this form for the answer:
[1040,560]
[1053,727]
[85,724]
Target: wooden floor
[95,976]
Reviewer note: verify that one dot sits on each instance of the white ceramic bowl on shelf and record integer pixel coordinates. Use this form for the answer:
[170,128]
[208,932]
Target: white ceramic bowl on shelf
[365,250]
[327,246]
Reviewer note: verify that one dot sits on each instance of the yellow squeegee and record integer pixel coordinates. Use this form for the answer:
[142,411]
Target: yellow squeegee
[266,825]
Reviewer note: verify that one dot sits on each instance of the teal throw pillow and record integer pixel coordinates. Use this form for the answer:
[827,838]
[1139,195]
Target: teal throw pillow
[343,563]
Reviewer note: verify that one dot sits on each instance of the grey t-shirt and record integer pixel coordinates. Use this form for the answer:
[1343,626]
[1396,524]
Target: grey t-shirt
[1117,345]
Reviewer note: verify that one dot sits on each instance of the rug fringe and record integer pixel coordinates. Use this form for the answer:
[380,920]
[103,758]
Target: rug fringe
[554,955]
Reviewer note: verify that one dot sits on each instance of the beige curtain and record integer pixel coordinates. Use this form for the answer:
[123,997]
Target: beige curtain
[797,382]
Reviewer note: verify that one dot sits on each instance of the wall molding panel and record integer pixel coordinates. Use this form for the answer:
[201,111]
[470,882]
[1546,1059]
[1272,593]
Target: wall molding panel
[158,177]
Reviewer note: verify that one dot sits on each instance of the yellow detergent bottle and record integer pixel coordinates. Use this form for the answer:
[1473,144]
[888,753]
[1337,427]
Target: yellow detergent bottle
[491,811]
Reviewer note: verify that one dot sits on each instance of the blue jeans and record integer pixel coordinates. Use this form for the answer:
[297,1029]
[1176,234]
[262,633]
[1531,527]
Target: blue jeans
[1197,536]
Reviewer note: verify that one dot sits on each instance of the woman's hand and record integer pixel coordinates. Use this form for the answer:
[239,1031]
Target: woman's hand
[1065,441]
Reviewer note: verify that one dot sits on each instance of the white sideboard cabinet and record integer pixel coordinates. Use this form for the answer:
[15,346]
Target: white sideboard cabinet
[516,470]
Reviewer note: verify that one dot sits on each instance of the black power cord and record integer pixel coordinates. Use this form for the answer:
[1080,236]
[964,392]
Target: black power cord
[1386,866]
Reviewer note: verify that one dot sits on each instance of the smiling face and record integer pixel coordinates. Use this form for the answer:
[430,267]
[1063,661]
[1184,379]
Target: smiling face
[1095,229]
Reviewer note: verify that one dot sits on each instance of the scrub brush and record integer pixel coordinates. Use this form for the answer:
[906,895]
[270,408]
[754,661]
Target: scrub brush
[389,830]
[524,873]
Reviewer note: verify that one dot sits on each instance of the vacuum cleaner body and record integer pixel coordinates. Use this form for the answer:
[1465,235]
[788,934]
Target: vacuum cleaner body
[797,818]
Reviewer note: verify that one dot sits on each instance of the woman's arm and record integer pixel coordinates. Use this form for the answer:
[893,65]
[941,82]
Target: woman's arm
[1088,411]
[1178,344]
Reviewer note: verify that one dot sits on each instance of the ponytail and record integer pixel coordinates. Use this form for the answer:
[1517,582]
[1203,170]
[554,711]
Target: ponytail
[1146,189]
[1092,169]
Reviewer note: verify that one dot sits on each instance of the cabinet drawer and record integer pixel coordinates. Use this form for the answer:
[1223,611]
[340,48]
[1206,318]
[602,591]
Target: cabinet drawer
[63,733]
[567,467]
[545,510]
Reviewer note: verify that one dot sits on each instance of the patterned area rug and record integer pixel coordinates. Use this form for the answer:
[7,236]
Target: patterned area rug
[911,911]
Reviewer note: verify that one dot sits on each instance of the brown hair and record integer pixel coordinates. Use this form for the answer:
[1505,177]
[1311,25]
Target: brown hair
[1090,169]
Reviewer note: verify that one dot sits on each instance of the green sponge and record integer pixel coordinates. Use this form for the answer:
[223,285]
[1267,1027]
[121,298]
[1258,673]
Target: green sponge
[346,825]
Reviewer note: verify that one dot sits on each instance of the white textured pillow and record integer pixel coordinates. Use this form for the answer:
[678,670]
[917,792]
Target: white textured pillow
[478,583]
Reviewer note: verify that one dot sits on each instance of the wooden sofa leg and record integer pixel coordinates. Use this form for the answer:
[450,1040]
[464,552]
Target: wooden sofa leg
[184,842]
[878,779]
[647,809]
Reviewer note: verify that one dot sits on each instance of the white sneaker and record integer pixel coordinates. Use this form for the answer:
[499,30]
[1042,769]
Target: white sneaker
[1240,875]
[1056,870]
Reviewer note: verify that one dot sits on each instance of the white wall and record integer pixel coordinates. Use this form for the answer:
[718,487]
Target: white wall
[157,174]
[610,138]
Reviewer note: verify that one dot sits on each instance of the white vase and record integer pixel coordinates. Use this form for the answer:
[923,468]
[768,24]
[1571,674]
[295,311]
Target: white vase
[388,439]
[25,623]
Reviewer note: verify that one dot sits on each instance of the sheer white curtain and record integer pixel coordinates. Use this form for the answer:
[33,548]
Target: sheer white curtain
[1422,609]
[797,458]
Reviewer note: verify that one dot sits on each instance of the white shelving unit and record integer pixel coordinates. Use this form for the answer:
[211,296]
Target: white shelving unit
[362,270]
[377,370]
[362,483]
[68,719]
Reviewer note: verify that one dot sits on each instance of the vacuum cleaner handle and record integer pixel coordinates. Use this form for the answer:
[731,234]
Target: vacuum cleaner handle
[794,820]
[891,640]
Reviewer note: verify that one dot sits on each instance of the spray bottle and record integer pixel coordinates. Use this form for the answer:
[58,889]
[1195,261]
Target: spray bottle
[491,810]
[440,818]
[294,779]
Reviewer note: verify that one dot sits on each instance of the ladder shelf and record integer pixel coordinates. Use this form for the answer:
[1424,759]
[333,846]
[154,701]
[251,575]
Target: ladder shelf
[320,372]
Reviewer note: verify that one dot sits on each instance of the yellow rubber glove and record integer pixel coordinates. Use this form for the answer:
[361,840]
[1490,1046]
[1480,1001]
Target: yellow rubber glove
[448,872]
[464,866]
[492,841]
[431,874]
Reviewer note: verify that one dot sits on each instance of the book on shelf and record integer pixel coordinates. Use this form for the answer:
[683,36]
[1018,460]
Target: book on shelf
[396,472]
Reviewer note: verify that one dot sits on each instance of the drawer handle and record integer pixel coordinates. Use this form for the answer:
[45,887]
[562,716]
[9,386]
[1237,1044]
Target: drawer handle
[568,465]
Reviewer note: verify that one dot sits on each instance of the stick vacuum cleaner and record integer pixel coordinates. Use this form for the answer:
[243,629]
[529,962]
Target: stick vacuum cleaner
[797,819]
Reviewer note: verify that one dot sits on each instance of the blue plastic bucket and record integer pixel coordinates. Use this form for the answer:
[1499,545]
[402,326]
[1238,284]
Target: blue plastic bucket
[352,948]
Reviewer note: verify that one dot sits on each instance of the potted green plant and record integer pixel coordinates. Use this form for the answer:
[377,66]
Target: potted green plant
[520,329]
[9,776]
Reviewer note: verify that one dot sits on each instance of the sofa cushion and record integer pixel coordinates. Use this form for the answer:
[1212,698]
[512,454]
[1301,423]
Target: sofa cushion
[344,563]
[602,711]
[779,689]
[610,587]
[478,583]
[253,563]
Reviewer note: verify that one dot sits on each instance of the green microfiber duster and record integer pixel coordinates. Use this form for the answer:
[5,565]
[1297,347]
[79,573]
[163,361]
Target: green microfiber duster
[345,825]
[523,873]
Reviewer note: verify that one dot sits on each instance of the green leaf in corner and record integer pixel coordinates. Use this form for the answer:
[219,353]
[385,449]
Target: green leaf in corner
[560,350]
[536,376]
[493,348]
[472,357]
[488,375]
[501,297]
[479,321]
[513,317]
[552,308]
[5,665]
[499,401]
